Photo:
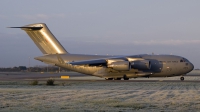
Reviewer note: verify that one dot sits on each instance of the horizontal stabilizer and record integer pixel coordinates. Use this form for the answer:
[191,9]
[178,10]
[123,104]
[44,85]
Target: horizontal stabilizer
[31,28]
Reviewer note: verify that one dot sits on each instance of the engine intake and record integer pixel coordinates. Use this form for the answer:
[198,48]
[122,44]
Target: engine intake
[120,65]
[141,65]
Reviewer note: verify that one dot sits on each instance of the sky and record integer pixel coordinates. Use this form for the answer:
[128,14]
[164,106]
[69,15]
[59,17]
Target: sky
[115,27]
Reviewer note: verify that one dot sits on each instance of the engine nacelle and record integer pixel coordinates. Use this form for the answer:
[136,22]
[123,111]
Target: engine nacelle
[120,65]
[141,65]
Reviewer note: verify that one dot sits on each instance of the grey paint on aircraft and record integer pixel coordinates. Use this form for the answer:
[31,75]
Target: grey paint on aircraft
[131,66]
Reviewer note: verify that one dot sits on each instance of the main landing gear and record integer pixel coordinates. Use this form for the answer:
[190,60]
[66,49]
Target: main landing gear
[124,77]
[117,78]
[182,78]
[109,78]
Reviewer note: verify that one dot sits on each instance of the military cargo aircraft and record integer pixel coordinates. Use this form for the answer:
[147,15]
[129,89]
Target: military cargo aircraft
[105,66]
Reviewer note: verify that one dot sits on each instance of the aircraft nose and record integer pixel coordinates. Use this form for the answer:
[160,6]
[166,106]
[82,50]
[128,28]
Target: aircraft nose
[191,66]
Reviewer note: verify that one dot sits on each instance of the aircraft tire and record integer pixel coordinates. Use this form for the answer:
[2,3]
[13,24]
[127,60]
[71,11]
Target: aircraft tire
[182,78]
[109,78]
[126,78]
[117,78]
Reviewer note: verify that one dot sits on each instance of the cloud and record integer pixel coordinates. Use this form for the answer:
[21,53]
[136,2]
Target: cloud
[149,42]
[161,42]
[58,15]
[42,16]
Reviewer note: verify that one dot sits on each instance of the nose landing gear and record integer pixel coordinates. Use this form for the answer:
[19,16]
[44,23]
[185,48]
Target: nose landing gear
[182,78]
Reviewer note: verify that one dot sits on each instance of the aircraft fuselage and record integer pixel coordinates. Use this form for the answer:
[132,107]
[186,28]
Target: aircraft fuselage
[161,65]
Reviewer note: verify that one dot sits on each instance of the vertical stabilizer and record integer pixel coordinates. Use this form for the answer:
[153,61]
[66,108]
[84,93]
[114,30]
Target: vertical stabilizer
[43,38]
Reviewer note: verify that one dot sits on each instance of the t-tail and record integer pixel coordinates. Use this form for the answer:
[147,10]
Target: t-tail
[43,38]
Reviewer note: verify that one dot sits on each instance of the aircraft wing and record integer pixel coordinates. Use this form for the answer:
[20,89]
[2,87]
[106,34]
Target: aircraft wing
[120,63]
[101,61]
[90,62]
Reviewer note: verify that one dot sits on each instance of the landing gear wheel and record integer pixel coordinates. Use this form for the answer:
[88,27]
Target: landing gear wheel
[125,77]
[117,78]
[109,78]
[182,78]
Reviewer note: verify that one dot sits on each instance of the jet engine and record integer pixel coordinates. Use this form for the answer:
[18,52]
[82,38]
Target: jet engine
[120,65]
[141,64]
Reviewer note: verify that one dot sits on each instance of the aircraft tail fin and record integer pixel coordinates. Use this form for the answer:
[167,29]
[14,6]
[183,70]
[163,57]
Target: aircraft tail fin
[43,38]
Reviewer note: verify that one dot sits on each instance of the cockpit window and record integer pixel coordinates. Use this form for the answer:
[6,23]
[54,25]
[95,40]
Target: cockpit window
[184,60]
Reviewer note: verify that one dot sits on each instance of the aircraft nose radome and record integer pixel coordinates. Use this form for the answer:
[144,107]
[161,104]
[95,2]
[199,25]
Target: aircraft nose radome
[191,67]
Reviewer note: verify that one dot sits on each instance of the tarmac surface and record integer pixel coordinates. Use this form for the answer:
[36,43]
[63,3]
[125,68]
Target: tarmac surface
[35,75]
[73,76]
